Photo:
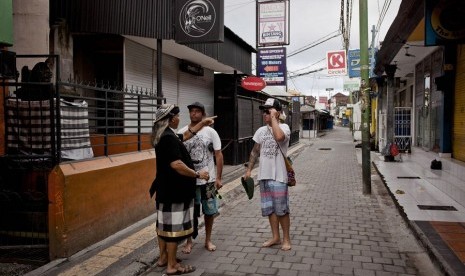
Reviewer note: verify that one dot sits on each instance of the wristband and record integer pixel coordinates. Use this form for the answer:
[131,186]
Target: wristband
[192,132]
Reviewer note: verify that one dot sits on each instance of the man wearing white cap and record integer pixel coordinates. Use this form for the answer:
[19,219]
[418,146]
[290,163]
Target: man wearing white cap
[270,140]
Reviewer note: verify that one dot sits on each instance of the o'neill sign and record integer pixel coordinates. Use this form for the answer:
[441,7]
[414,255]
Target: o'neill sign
[199,21]
[253,83]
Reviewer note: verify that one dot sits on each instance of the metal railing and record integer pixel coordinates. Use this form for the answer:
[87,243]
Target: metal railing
[91,120]
[69,121]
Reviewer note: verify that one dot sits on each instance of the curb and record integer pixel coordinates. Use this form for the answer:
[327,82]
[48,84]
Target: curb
[142,258]
[419,234]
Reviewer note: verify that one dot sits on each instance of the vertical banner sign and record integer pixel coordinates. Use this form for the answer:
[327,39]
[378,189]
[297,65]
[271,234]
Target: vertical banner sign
[273,23]
[444,22]
[199,21]
[271,66]
[354,62]
[337,63]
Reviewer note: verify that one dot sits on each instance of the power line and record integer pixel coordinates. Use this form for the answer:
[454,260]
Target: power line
[383,13]
[309,65]
[306,73]
[238,6]
[311,46]
[334,32]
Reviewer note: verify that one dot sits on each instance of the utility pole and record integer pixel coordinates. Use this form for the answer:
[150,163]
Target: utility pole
[365,90]
[329,99]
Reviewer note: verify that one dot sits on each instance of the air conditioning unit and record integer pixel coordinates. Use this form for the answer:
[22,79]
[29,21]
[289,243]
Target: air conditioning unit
[7,64]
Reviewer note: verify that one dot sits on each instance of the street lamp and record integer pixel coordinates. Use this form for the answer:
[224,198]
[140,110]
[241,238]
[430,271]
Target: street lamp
[329,91]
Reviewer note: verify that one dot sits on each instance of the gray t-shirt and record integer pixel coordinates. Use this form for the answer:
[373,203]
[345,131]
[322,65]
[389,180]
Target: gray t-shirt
[201,156]
[271,160]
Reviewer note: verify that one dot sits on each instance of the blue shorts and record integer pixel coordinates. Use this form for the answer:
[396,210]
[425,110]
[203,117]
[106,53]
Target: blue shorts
[206,195]
[274,198]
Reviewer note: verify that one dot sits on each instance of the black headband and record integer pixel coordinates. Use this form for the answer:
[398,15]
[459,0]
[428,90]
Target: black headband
[174,111]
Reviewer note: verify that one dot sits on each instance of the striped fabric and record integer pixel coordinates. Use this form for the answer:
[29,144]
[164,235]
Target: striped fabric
[29,131]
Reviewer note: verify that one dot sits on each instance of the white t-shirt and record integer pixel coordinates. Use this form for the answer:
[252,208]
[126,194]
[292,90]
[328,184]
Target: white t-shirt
[197,147]
[272,164]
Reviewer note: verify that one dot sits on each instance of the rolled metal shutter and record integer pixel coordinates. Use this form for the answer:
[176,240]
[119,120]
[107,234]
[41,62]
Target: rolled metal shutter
[458,132]
[138,77]
[138,66]
[170,66]
[195,89]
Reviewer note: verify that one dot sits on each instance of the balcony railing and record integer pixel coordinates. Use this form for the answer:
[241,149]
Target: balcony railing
[91,120]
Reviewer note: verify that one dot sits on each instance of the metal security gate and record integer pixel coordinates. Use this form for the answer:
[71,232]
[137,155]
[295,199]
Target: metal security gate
[402,127]
[30,154]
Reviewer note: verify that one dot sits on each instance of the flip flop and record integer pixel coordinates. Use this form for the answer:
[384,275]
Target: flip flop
[185,270]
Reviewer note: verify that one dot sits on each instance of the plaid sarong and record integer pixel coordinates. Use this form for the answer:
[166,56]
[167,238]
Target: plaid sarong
[29,128]
[175,221]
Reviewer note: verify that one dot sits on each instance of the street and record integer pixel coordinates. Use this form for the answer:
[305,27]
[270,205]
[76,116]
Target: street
[335,229]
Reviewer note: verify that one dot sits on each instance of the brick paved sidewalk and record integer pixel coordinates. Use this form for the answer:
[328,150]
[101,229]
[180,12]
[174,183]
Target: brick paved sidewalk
[335,229]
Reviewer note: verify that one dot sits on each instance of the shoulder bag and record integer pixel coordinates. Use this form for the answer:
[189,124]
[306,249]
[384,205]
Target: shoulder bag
[290,171]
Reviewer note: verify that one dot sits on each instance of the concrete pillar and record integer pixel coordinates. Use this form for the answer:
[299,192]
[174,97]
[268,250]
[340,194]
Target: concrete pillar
[390,72]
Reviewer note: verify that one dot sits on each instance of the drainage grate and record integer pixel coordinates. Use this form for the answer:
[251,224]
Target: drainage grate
[324,149]
[437,208]
[408,177]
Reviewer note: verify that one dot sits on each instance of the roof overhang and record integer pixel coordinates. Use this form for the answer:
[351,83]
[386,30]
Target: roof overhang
[410,15]
[170,47]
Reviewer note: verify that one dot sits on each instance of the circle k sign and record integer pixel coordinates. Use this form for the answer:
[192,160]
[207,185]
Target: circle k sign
[337,63]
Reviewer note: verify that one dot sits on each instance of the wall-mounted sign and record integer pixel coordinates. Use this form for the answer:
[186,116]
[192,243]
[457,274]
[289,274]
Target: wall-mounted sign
[199,21]
[273,23]
[337,63]
[271,66]
[444,22]
[253,83]
[191,68]
[354,62]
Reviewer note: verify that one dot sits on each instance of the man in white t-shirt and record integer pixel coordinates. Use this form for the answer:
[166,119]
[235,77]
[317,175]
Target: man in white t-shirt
[272,174]
[205,149]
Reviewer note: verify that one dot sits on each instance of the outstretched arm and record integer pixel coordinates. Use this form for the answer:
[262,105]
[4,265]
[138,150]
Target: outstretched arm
[191,132]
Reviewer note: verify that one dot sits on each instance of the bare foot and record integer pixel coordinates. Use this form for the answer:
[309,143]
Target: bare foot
[286,246]
[163,263]
[271,242]
[187,249]
[210,246]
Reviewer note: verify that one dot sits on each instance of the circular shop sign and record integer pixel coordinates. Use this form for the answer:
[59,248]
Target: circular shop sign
[197,17]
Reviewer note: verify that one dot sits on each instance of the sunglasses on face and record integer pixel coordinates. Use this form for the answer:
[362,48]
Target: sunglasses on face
[266,111]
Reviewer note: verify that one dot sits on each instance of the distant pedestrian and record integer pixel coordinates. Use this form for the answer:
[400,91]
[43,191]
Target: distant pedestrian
[272,174]
[204,149]
[174,189]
